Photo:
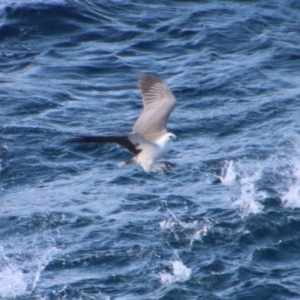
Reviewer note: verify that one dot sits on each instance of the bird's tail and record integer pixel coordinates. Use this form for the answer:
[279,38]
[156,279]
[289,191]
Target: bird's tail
[126,163]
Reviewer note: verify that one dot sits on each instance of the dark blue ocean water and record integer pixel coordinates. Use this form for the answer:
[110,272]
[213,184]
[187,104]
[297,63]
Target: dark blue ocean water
[223,224]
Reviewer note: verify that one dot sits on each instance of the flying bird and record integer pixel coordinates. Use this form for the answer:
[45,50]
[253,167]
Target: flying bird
[149,140]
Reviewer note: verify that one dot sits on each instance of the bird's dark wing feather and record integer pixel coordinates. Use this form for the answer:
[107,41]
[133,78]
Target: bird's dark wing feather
[121,140]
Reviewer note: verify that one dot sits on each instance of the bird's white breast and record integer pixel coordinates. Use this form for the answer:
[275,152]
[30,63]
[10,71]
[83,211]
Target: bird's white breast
[148,158]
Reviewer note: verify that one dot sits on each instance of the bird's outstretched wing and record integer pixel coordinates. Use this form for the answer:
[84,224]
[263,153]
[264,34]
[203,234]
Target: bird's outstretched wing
[133,142]
[158,102]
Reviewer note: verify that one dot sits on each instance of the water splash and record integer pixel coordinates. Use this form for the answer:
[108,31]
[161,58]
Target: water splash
[242,177]
[228,175]
[193,230]
[20,277]
[291,197]
[279,175]
[181,273]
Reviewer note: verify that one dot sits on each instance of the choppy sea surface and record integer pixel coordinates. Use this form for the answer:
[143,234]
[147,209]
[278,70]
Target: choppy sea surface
[223,224]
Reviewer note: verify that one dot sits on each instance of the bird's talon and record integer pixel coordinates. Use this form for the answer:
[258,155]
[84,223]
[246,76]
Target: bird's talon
[163,170]
[168,164]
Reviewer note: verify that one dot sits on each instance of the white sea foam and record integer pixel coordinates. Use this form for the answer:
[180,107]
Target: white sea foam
[201,232]
[248,200]
[19,278]
[194,230]
[170,224]
[281,172]
[228,175]
[13,281]
[291,193]
[180,273]
[242,178]
[291,197]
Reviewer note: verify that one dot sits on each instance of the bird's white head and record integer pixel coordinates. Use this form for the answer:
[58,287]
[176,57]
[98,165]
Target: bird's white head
[171,137]
[166,141]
